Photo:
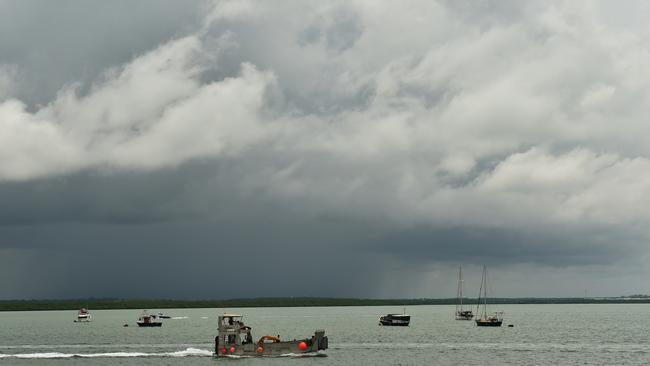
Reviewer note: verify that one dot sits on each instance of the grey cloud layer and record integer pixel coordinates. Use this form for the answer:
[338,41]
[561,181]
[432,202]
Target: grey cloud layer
[502,132]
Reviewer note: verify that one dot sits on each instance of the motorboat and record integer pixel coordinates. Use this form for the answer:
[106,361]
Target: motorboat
[147,320]
[83,316]
[399,320]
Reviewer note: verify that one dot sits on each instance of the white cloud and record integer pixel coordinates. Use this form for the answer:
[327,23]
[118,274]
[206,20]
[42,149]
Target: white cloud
[153,112]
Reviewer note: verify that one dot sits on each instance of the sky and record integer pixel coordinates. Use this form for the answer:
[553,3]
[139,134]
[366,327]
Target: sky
[226,149]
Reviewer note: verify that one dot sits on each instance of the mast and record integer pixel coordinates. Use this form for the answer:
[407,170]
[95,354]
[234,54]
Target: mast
[460,286]
[459,291]
[485,292]
[480,292]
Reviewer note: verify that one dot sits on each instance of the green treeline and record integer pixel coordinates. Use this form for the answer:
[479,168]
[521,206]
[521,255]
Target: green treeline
[97,304]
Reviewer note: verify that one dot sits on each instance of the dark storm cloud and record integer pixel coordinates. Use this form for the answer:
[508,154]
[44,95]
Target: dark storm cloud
[69,41]
[348,150]
[497,247]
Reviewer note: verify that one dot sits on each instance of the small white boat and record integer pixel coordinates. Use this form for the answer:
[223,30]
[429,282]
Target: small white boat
[147,320]
[83,316]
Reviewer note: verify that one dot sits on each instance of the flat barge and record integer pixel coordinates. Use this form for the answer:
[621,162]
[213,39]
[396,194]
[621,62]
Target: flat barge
[235,339]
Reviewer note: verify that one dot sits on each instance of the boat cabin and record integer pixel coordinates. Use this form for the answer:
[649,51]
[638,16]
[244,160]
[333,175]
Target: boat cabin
[232,331]
[147,320]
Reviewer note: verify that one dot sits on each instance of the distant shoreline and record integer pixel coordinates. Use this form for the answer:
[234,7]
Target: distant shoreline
[109,304]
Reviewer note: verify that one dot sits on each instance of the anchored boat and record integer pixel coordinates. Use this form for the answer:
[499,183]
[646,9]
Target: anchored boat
[460,313]
[83,316]
[235,339]
[147,320]
[485,320]
[398,320]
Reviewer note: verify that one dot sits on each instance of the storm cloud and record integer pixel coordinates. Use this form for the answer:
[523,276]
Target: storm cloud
[343,148]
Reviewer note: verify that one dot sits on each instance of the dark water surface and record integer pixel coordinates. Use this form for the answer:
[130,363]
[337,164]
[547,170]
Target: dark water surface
[542,335]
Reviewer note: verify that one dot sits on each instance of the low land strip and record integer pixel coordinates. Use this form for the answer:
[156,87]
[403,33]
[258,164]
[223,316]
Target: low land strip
[97,304]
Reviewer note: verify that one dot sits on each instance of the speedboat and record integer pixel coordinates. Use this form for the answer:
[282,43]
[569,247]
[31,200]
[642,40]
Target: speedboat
[235,339]
[147,320]
[400,320]
[83,316]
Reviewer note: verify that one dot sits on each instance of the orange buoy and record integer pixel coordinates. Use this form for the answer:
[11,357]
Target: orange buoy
[302,346]
[259,350]
[232,349]
[224,351]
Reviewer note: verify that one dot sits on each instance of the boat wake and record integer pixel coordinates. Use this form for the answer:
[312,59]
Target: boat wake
[189,352]
[310,354]
[179,317]
[297,355]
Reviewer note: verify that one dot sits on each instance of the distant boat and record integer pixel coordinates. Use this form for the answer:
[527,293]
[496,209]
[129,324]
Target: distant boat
[460,313]
[485,320]
[83,316]
[163,316]
[398,320]
[147,320]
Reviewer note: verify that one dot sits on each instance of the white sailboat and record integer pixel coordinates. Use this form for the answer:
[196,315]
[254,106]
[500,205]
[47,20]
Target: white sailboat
[460,313]
[485,320]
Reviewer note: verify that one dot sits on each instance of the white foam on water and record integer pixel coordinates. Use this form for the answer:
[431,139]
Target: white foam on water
[132,345]
[189,352]
[179,317]
[204,317]
[38,355]
[308,354]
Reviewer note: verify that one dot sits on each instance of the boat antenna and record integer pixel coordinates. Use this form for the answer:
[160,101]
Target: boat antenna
[459,290]
[480,292]
[485,292]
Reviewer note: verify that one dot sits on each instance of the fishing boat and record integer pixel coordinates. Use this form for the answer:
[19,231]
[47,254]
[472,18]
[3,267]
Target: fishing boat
[235,339]
[83,316]
[396,320]
[147,320]
[485,320]
[461,314]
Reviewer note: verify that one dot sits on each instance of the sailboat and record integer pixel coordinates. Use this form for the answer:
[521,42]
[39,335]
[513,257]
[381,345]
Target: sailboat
[460,313]
[486,320]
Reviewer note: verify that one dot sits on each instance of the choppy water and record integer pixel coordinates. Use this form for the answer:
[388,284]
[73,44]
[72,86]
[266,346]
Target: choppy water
[542,335]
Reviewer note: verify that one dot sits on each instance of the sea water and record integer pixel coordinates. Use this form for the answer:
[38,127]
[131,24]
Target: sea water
[541,335]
